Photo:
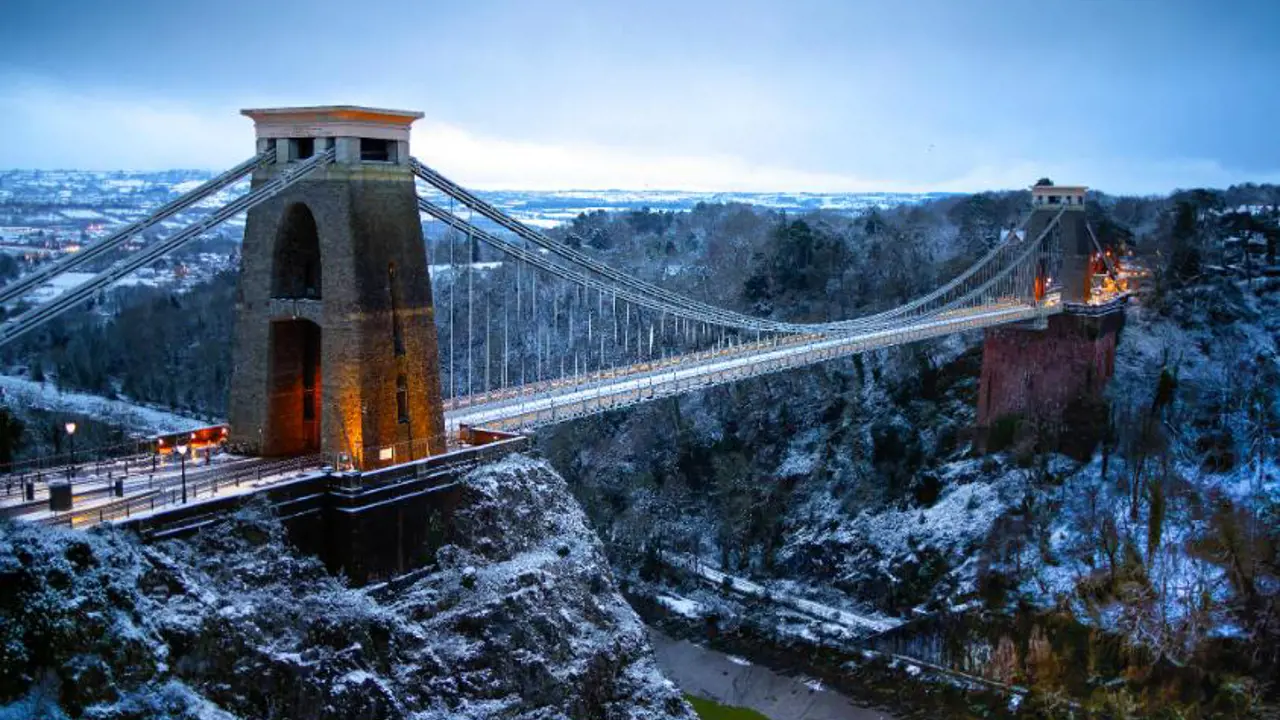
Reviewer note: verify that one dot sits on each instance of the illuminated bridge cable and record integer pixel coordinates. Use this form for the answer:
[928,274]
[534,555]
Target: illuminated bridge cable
[453,385]
[580,259]
[541,261]
[1106,260]
[40,314]
[676,303]
[719,315]
[46,272]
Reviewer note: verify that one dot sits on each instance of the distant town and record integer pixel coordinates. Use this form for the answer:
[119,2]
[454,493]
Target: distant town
[46,213]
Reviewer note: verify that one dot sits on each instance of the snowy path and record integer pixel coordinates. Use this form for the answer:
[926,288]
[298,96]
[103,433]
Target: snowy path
[149,495]
[133,416]
[93,484]
[849,620]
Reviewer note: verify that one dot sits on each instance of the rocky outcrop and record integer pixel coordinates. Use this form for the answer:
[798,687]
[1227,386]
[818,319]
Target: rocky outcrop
[521,619]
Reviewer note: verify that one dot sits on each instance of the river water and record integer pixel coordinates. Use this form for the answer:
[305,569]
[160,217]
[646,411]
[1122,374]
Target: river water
[732,680]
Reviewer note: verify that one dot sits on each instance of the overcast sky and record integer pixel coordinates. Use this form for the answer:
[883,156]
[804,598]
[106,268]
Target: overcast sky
[1128,95]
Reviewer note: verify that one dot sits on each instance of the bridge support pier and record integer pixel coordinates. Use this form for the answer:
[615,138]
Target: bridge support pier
[336,348]
[1046,385]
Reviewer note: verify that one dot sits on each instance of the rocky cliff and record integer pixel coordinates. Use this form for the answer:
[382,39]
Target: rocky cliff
[520,620]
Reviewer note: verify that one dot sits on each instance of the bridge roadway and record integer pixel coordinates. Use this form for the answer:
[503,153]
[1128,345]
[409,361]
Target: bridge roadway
[558,401]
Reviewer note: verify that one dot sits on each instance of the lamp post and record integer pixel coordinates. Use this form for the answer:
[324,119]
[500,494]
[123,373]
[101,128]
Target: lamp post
[182,454]
[71,467]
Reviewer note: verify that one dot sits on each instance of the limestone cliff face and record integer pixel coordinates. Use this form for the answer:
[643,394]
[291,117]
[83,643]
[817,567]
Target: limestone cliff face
[521,620]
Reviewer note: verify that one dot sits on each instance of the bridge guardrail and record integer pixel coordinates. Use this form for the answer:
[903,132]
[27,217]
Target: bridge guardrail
[169,492]
[122,457]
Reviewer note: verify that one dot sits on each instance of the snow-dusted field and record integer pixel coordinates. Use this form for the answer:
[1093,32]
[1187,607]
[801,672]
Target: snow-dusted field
[132,416]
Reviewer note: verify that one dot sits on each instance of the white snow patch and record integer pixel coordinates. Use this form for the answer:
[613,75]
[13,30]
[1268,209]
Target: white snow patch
[962,515]
[681,606]
[802,455]
[136,417]
[838,620]
[183,188]
[81,214]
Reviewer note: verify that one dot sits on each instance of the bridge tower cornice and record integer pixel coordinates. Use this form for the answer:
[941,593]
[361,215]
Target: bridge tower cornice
[366,141]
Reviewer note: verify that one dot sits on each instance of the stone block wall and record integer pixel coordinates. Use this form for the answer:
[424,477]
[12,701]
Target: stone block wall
[375,286]
[1033,377]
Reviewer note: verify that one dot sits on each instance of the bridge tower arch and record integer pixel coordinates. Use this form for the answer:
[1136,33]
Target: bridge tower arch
[295,262]
[335,343]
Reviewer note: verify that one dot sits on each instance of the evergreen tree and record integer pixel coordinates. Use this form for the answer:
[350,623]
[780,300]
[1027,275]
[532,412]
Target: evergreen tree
[1185,252]
[11,431]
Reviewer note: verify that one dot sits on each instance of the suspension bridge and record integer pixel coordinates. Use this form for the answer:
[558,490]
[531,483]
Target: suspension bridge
[355,351]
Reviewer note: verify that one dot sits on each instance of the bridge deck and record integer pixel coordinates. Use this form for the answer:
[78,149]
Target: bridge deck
[556,402]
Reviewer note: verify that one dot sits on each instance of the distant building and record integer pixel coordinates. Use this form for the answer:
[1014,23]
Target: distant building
[15,233]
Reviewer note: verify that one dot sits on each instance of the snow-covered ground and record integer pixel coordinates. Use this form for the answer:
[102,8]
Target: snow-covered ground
[520,619]
[134,417]
[857,624]
[148,493]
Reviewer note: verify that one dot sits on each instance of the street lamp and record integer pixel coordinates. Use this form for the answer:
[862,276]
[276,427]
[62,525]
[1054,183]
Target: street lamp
[71,467]
[182,453]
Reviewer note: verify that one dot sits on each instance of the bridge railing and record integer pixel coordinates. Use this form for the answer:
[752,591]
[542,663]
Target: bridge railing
[366,457]
[168,491]
[488,444]
[371,458]
[54,465]
[102,463]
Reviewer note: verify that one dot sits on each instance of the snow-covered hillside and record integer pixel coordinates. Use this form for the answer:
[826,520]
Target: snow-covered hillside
[521,620]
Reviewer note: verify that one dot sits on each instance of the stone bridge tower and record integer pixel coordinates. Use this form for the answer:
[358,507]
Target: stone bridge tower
[1072,236]
[335,343]
[1048,380]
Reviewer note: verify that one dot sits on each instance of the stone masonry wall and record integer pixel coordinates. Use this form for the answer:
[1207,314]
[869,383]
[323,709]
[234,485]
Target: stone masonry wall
[1038,374]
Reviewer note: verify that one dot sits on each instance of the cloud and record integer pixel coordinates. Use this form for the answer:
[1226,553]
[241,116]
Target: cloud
[487,162]
[50,126]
